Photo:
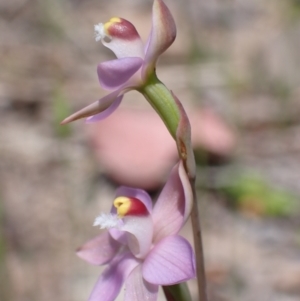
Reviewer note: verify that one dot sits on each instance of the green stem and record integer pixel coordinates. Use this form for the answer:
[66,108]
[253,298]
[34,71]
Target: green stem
[161,99]
[177,292]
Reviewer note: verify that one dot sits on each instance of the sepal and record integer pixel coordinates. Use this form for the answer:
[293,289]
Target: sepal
[162,35]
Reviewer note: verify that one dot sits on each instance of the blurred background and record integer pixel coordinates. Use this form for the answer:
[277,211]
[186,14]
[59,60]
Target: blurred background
[235,67]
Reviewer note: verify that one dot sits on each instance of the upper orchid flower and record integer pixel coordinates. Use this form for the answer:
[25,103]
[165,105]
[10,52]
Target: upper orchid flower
[141,246]
[134,67]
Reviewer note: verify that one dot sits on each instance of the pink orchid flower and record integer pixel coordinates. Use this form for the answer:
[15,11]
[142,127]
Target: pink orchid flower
[141,245]
[134,64]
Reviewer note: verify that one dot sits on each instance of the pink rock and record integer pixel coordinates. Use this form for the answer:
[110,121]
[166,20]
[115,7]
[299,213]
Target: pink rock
[135,148]
[211,133]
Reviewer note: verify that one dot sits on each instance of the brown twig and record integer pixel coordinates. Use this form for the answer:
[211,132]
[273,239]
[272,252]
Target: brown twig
[195,217]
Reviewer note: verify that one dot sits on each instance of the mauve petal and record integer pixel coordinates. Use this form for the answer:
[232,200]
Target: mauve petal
[99,250]
[139,230]
[111,280]
[139,194]
[171,261]
[168,212]
[104,114]
[163,34]
[105,105]
[112,74]
[137,289]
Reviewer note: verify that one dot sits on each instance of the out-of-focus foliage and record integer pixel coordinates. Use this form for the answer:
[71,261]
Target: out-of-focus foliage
[251,194]
[293,10]
[4,277]
[61,109]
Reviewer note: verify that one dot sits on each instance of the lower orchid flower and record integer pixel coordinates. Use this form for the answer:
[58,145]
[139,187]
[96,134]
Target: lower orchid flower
[141,245]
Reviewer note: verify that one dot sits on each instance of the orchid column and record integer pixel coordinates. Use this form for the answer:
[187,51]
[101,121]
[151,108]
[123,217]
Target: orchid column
[134,69]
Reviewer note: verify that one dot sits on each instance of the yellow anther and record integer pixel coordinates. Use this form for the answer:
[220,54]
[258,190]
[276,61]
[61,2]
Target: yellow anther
[123,205]
[115,20]
[111,22]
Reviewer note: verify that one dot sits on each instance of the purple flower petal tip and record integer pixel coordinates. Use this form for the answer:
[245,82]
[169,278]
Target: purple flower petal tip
[105,113]
[99,250]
